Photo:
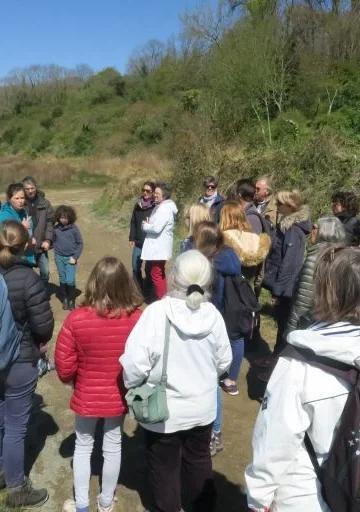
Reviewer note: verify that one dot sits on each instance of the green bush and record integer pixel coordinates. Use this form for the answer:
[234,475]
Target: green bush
[151,131]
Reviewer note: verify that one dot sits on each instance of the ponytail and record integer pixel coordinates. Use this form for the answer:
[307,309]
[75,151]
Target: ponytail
[13,239]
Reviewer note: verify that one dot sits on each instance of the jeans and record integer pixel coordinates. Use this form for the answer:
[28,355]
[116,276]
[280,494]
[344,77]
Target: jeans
[85,435]
[136,266]
[282,313]
[158,277]
[217,426]
[237,347]
[66,270]
[17,386]
[180,461]
[42,261]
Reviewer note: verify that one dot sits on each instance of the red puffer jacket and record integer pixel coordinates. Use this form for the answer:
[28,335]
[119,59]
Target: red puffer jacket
[87,353]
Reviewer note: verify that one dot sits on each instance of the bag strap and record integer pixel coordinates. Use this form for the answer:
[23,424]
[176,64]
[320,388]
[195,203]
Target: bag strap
[311,452]
[163,379]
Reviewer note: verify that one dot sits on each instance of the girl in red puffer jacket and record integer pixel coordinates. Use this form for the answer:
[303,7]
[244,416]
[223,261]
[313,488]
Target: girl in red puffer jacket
[87,355]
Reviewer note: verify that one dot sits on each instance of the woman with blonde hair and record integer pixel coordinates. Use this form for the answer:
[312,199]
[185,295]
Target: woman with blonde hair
[193,215]
[87,355]
[287,256]
[250,247]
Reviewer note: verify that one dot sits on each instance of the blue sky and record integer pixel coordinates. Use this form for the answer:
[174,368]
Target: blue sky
[96,32]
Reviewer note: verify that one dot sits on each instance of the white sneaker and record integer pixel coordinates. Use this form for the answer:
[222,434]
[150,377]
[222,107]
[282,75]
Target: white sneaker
[105,509]
[69,506]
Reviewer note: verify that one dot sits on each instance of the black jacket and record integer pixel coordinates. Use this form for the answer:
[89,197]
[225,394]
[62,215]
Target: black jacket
[30,307]
[42,215]
[139,214]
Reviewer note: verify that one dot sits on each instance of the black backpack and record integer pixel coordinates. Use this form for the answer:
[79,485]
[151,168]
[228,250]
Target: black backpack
[241,308]
[339,474]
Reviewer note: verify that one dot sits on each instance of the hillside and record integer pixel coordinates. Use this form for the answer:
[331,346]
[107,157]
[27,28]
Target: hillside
[249,88]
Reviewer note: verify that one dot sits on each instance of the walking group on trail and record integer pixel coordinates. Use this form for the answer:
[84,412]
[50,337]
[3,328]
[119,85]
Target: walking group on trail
[170,363]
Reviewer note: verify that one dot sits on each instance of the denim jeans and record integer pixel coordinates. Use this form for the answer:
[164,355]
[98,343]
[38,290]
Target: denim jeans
[237,347]
[42,261]
[217,426]
[17,386]
[85,437]
[66,270]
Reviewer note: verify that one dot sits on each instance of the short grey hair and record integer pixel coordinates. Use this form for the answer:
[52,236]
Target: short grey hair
[191,268]
[331,230]
[30,180]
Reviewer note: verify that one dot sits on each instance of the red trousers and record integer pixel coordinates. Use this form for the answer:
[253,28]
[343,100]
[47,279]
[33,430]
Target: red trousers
[158,278]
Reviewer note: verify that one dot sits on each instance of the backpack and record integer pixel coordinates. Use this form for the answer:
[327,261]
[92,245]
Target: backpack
[10,335]
[241,308]
[339,474]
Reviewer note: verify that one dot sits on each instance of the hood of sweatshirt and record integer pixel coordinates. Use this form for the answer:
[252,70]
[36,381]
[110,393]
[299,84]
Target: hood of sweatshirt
[192,323]
[169,205]
[339,341]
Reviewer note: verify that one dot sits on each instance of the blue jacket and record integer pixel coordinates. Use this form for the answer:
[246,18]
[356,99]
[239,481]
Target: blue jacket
[286,258]
[67,240]
[216,207]
[226,263]
[7,212]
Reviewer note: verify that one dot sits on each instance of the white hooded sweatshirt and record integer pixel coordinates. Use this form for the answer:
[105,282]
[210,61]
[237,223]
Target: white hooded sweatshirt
[199,351]
[299,398]
[159,231]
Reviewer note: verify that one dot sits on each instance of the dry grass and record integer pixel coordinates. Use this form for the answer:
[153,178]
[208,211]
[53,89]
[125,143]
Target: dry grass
[45,170]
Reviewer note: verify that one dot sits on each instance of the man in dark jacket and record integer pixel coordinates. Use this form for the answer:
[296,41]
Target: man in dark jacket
[42,214]
[211,198]
[141,212]
[345,206]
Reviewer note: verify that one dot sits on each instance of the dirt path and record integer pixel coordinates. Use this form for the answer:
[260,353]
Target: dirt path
[51,434]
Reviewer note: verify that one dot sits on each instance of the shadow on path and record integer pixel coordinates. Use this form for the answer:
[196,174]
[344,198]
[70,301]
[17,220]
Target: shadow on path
[41,425]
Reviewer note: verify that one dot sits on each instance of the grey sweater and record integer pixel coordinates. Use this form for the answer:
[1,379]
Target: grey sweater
[68,240]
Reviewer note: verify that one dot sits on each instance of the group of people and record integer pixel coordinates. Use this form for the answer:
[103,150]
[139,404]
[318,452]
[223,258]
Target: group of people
[253,238]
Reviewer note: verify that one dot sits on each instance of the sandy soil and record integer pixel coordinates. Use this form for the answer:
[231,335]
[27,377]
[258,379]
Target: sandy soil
[51,439]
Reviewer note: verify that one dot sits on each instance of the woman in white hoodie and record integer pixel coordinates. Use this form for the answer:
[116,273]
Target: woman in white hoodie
[158,244]
[301,398]
[178,452]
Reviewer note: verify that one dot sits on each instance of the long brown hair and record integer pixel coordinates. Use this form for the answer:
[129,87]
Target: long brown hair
[110,290]
[337,285]
[232,216]
[208,238]
[13,239]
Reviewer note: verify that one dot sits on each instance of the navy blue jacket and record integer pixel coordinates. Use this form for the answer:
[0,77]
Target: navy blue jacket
[67,240]
[226,263]
[286,258]
[215,208]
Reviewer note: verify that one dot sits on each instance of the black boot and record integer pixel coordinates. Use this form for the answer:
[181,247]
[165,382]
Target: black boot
[2,481]
[26,496]
[64,296]
[71,293]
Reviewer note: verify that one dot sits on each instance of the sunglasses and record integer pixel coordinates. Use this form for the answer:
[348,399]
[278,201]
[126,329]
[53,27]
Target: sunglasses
[148,190]
[210,187]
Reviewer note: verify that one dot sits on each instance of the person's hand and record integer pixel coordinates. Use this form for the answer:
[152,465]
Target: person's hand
[72,260]
[45,246]
[26,222]
[33,241]
[43,348]
[131,244]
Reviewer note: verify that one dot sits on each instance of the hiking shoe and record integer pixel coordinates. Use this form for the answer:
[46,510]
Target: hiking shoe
[230,389]
[26,496]
[216,443]
[69,506]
